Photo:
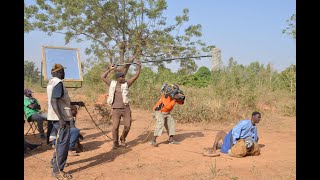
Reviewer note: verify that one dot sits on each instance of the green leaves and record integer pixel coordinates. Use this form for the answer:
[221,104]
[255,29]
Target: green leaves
[126,30]
[31,73]
[291,29]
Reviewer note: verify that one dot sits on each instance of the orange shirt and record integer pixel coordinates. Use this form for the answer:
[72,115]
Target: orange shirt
[168,104]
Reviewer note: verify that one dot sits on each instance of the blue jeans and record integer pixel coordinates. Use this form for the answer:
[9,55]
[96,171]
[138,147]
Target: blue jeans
[227,143]
[61,148]
[74,137]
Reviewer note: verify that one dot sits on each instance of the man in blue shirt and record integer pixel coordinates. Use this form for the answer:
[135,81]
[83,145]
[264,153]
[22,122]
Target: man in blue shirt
[242,140]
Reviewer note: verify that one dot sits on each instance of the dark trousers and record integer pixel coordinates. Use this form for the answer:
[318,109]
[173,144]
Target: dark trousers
[117,113]
[62,146]
[50,126]
[39,119]
[74,137]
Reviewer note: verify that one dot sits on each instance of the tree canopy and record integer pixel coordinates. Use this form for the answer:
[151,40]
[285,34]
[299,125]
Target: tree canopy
[291,29]
[122,31]
[31,72]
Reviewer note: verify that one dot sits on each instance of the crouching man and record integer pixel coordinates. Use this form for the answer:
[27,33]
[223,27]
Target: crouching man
[241,141]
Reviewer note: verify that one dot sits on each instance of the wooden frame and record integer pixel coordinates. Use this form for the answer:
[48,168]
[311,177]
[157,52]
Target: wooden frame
[45,69]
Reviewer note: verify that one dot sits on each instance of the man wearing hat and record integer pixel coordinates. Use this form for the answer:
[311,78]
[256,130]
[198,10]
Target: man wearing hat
[59,112]
[118,99]
[31,110]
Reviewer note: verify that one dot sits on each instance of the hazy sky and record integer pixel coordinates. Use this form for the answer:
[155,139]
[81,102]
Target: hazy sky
[247,30]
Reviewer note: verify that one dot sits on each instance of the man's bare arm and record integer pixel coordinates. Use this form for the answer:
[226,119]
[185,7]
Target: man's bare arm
[105,74]
[135,77]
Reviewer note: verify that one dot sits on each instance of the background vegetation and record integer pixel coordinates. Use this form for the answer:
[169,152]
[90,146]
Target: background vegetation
[228,94]
[126,31]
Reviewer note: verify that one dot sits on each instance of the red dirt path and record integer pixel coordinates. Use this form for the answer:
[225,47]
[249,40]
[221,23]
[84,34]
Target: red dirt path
[168,162]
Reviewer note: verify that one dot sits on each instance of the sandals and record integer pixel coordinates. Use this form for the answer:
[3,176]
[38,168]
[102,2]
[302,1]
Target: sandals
[153,143]
[211,152]
[123,142]
[172,142]
[116,146]
[62,175]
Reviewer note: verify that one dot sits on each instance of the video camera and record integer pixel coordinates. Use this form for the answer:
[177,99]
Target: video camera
[173,91]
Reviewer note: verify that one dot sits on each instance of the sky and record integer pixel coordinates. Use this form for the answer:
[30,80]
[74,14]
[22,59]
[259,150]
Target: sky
[247,30]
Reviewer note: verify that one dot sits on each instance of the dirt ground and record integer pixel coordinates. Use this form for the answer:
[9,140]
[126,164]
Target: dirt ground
[168,161]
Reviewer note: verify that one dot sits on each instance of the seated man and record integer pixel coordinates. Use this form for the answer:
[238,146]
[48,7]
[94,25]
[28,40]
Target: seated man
[75,135]
[31,110]
[241,141]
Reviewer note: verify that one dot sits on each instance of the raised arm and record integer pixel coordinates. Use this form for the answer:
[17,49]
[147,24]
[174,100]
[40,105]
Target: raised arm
[135,77]
[105,74]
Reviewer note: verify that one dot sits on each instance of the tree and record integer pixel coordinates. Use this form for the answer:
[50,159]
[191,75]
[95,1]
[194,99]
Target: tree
[122,31]
[31,73]
[291,29]
[287,79]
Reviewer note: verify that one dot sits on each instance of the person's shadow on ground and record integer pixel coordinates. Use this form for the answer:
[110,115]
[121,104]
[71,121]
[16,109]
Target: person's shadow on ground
[91,145]
[95,135]
[148,135]
[261,145]
[179,137]
[99,159]
[182,136]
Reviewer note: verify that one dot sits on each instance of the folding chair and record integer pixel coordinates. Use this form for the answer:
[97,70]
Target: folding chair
[32,126]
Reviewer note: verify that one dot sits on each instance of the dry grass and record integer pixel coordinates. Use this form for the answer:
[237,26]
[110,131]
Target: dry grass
[210,104]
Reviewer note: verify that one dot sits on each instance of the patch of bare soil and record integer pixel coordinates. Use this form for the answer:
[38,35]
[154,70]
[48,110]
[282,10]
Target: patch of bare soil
[168,161]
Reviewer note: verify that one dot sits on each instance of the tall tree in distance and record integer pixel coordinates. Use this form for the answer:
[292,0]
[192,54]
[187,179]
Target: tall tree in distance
[31,72]
[122,31]
[291,29]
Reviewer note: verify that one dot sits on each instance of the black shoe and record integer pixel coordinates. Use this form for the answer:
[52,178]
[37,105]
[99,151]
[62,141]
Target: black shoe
[80,137]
